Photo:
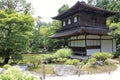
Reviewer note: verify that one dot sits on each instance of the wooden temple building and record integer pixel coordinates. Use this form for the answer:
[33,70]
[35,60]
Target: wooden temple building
[84,29]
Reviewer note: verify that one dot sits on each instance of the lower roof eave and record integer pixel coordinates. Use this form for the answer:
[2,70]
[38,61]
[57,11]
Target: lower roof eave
[54,36]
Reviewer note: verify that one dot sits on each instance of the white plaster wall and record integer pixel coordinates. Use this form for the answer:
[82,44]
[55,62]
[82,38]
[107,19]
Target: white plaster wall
[93,42]
[91,51]
[106,37]
[81,37]
[80,43]
[93,37]
[114,45]
[74,37]
[106,45]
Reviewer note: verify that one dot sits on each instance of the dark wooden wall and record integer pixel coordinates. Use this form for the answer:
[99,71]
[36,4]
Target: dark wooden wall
[85,20]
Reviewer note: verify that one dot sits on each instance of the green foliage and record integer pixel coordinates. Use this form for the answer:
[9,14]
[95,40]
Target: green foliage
[14,74]
[6,66]
[102,56]
[41,37]
[116,54]
[15,30]
[75,61]
[36,60]
[61,60]
[99,3]
[72,62]
[36,41]
[64,8]
[48,58]
[69,62]
[115,30]
[109,62]
[64,53]
[91,60]
[17,5]
[16,57]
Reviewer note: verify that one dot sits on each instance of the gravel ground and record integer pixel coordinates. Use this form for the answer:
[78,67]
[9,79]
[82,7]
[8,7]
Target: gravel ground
[103,76]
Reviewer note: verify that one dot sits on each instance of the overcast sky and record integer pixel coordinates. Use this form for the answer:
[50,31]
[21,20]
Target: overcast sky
[49,8]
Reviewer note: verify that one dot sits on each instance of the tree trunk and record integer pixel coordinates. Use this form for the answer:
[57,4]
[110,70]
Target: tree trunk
[6,60]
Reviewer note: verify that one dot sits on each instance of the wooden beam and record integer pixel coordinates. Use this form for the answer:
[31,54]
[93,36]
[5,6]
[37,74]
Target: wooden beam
[88,39]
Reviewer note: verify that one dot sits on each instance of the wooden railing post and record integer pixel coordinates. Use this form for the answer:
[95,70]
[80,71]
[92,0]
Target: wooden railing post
[109,69]
[78,69]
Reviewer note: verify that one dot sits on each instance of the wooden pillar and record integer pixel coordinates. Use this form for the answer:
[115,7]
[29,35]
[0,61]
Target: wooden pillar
[85,44]
[66,43]
[112,45]
[100,44]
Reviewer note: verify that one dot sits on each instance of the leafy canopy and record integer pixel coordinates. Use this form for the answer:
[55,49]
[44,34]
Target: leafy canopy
[15,31]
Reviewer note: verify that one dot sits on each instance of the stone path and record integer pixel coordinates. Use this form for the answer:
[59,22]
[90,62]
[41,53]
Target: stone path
[103,76]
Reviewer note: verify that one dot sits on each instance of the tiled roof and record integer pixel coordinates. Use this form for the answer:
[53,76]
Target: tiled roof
[79,6]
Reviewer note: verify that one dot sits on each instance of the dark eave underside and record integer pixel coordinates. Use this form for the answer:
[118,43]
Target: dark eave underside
[80,31]
[80,6]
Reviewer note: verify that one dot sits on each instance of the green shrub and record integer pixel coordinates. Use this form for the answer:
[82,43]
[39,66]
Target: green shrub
[116,54]
[61,60]
[108,62]
[64,53]
[36,60]
[69,62]
[75,61]
[14,74]
[6,66]
[49,58]
[54,60]
[91,60]
[102,56]
[72,62]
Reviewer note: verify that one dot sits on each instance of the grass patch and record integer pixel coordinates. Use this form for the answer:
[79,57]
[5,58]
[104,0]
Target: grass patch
[48,69]
[98,69]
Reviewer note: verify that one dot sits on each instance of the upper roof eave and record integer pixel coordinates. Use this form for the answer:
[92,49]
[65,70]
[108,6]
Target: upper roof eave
[84,5]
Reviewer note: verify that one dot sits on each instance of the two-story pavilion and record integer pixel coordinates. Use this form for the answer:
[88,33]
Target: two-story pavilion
[84,27]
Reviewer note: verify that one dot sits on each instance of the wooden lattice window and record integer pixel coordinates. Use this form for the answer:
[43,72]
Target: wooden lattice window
[69,21]
[75,19]
[64,23]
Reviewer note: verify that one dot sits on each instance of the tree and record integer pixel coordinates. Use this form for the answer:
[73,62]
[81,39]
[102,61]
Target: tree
[35,44]
[46,32]
[99,3]
[16,30]
[63,8]
[41,39]
[17,5]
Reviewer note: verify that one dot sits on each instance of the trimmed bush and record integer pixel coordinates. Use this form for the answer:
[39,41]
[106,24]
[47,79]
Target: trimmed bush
[64,53]
[102,56]
[6,66]
[75,61]
[72,62]
[91,60]
[61,60]
[69,62]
